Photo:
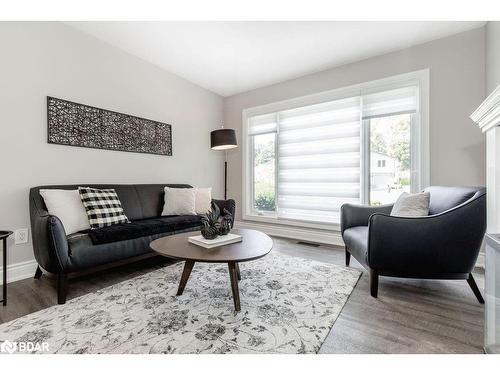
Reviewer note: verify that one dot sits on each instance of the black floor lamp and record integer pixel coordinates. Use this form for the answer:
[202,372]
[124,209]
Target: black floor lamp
[223,139]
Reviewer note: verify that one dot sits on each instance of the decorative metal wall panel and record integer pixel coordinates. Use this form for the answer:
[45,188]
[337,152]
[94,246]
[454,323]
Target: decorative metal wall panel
[80,125]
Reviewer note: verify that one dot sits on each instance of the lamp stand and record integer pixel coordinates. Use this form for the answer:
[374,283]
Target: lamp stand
[225,175]
[225,180]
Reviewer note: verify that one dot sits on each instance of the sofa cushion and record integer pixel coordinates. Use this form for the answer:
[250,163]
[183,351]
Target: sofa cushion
[179,202]
[68,207]
[84,254]
[103,207]
[411,205]
[141,228]
[203,200]
[356,241]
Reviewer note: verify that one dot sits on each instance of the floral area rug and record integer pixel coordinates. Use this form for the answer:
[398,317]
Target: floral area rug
[288,305]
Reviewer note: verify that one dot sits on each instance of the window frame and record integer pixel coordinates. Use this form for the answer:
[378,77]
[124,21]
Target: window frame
[419,147]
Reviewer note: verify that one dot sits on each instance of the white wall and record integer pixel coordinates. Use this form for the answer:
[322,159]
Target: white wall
[457,86]
[40,59]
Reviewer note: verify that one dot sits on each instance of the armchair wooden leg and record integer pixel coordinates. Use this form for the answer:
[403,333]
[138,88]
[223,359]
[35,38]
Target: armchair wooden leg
[475,289]
[38,272]
[62,288]
[373,283]
[347,257]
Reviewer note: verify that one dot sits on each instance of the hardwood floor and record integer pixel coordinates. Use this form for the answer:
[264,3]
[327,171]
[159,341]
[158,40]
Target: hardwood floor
[409,316]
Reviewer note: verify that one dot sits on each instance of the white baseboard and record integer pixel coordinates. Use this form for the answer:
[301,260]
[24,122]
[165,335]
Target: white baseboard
[297,233]
[480,259]
[19,271]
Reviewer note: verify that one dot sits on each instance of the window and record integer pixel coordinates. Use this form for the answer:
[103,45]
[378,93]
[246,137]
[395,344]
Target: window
[390,140]
[306,157]
[264,167]
[388,116]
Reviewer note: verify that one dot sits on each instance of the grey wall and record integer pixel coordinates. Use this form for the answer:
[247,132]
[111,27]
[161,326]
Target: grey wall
[40,59]
[457,87]
[492,56]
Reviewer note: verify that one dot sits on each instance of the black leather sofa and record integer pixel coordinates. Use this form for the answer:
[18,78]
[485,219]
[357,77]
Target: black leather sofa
[443,245]
[67,256]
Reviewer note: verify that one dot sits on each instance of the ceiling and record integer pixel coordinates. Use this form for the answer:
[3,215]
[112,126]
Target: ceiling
[232,57]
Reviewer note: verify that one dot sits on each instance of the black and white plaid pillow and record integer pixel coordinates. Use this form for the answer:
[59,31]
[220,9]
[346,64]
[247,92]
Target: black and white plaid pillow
[103,207]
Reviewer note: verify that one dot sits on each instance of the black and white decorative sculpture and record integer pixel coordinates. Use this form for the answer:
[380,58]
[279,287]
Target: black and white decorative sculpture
[225,222]
[80,125]
[210,223]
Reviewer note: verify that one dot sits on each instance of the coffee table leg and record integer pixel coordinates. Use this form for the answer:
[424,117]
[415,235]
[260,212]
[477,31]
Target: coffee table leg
[188,266]
[234,285]
[238,271]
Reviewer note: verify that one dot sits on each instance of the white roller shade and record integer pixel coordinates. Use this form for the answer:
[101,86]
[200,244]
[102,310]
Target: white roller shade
[262,124]
[318,160]
[390,102]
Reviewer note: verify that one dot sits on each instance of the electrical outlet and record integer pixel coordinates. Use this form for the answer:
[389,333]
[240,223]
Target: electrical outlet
[21,236]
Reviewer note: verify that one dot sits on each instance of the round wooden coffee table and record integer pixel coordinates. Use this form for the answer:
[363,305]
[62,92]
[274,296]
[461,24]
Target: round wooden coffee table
[254,245]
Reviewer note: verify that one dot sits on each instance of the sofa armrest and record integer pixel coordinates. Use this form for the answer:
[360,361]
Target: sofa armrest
[355,215]
[228,204]
[444,243]
[50,245]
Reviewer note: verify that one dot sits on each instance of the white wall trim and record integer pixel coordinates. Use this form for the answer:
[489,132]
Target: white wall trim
[302,234]
[19,271]
[487,115]
[480,263]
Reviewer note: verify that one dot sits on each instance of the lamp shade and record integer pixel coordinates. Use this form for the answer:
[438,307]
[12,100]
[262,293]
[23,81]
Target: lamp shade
[223,139]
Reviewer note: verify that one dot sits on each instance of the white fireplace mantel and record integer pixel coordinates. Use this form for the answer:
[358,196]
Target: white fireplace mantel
[487,115]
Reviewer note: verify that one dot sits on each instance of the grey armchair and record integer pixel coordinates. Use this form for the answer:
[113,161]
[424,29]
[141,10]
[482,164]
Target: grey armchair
[443,245]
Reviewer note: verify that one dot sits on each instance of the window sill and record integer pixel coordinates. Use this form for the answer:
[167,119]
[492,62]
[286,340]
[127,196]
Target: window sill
[290,222]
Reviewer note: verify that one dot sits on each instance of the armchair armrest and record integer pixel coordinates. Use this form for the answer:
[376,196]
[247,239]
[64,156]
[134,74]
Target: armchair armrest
[228,204]
[355,215]
[446,243]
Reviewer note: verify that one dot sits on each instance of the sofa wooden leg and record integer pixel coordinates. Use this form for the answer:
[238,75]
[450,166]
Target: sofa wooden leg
[62,288]
[475,289]
[373,283]
[38,272]
[347,257]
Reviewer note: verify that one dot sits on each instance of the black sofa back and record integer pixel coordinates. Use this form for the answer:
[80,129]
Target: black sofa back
[143,201]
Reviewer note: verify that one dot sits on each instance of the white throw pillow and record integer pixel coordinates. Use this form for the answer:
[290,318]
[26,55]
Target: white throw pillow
[203,200]
[68,207]
[179,202]
[412,205]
